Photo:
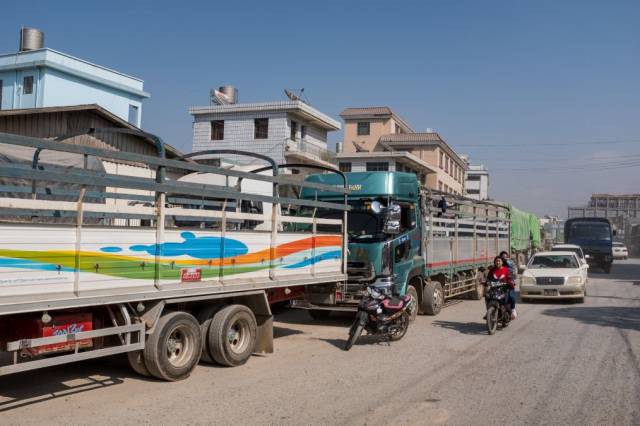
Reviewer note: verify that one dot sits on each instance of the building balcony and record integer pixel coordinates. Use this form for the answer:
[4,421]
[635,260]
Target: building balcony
[306,152]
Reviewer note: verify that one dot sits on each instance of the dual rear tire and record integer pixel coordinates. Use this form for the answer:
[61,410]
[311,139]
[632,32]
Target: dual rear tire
[179,341]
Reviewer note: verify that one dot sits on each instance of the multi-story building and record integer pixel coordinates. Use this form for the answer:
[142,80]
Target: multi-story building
[622,210]
[38,77]
[477,182]
[376,138]
[288,131]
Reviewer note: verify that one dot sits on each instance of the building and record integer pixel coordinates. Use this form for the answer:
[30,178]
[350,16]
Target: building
[54,122]
[622,210]
[477,182]
[376,138]
[290,132]
[39,77]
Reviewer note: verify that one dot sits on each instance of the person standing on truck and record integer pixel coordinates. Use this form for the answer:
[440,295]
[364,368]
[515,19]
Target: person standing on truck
[500,272]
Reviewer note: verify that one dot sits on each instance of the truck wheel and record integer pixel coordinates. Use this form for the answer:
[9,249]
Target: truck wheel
[232,335]
[319,314]
[411,290]
[205,316]
[174,348]
[136,361]
[478,291]
[433,298]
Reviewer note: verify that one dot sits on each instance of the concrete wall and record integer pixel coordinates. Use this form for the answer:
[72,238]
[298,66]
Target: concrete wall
[377,128]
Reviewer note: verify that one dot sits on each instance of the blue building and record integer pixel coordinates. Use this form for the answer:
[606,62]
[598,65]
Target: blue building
[45,78]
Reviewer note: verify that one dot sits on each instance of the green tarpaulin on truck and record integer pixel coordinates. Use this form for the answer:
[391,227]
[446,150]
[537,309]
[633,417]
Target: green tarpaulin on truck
[525,230]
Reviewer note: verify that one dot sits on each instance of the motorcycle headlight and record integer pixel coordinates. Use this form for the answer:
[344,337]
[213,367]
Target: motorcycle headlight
[526,280]
[576,279]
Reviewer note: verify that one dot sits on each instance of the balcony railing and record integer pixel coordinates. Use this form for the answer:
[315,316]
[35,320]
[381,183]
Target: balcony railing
[308,148]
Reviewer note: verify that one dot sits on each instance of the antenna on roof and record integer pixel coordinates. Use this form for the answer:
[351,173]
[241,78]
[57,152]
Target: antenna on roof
[295,97]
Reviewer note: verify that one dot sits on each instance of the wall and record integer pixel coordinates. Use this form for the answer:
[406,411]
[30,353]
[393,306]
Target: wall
[377,128]
[239,134]
[64,89]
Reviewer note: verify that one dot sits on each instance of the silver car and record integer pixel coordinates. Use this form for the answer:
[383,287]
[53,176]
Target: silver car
[554,275]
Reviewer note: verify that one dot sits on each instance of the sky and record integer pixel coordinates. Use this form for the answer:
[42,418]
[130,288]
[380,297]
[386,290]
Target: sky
[545,94]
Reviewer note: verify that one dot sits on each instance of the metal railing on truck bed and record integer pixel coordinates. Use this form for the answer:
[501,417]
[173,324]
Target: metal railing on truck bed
[75,233]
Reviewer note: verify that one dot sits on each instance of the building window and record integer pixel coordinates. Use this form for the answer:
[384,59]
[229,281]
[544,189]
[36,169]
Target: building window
[363,128]
[294,130]
[217,130]
[261,128]
[446,164]
[303,133]
[0,94]
[473,191]
[473,177]
[441,163]
[27,85]
[378,166]
[345,167]
[398,129]
[133,115]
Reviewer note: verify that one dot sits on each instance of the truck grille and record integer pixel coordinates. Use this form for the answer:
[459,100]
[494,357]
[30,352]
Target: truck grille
[550,280]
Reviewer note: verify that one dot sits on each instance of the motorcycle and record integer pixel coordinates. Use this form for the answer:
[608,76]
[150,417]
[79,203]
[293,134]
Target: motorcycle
[497,301]
[379,313]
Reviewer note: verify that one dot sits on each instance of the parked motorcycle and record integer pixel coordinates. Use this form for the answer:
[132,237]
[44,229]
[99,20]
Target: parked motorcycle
[379,313]
[497,305]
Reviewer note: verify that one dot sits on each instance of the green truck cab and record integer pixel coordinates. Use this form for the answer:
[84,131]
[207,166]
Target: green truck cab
[396,233]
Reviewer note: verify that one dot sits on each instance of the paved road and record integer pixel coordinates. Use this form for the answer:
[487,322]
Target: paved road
[557,364]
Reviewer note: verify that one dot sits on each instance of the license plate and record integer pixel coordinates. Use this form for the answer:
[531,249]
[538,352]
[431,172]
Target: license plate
[551,292]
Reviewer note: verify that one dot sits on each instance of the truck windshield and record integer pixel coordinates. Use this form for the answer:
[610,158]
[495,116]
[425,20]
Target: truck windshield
[362,223]
[590,231]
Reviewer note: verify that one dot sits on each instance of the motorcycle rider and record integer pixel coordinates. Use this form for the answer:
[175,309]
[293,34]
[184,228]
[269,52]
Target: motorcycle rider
[506,261]
[500,272]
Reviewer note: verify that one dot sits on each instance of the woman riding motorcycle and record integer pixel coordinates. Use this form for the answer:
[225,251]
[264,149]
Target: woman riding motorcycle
[500,272]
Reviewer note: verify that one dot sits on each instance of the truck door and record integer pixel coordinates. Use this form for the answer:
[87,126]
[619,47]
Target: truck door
[406,246]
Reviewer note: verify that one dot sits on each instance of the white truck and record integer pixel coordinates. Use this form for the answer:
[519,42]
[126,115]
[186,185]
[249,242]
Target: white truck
[167,270]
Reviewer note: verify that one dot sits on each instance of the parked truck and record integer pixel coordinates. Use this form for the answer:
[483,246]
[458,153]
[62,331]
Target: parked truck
[431,245]
[162,268]
[525,236]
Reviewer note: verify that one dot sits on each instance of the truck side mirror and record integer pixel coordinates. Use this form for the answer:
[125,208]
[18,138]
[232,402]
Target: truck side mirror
[392,220]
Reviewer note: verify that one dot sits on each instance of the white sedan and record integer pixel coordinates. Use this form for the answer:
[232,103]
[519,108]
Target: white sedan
[620,251]
[554,275]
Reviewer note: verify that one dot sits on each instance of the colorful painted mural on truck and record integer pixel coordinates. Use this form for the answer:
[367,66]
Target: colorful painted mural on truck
[215,256]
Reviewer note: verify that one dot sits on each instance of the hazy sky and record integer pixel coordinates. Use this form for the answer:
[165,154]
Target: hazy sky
[546,94]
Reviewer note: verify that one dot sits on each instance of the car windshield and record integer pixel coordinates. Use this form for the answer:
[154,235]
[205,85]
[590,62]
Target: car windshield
[576,250]
[590,231]
[563,261]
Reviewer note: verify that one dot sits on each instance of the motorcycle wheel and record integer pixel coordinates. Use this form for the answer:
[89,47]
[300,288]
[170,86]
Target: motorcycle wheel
[492,319]
[403,326]
[355,331]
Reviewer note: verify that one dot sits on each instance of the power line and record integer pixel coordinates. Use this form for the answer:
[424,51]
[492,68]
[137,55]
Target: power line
[533,145]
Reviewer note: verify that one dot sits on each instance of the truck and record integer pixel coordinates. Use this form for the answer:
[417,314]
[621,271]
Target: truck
[166,269]
[431,245]
[525,236]
[595,236]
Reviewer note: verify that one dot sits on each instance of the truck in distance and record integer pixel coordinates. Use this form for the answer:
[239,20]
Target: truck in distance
[595,236]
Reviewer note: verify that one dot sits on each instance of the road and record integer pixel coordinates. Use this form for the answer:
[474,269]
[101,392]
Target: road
[557,363]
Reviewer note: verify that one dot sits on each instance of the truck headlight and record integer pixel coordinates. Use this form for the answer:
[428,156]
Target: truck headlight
[528,280]
[576,279]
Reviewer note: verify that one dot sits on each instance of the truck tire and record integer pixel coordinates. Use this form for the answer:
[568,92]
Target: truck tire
[205,316]
[136,361]
[232,335]
[432,298]
[319,314]
[478,291]
[174,348]
[414,293]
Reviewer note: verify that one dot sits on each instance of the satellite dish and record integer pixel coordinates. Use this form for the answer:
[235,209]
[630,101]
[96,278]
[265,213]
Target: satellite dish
[291,95]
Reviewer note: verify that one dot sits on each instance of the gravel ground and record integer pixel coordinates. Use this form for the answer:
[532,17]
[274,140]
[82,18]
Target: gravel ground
[558,363]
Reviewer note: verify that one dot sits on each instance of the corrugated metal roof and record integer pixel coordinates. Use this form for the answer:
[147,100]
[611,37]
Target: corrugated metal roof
[118,122]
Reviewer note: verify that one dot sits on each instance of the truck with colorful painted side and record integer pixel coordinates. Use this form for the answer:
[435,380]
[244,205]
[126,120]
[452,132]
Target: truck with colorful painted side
[431,245]
[169,270]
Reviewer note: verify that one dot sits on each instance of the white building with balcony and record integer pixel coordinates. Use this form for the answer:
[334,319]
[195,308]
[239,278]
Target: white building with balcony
[288,131]
[477,182]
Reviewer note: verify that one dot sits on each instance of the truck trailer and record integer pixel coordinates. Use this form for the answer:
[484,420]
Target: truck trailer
[168,270]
